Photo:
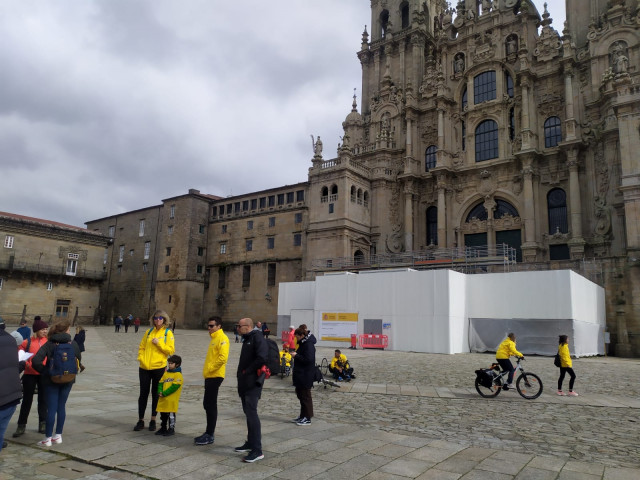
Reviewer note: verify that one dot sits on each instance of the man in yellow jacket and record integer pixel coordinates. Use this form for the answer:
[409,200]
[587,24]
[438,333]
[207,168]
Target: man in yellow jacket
[213,371]
[507,349]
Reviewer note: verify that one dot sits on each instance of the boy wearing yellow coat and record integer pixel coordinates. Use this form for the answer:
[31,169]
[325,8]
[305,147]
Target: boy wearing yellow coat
[169,390]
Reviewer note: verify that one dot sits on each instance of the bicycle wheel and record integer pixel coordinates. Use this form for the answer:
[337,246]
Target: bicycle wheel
[529,386]
[485,392]
[324,367]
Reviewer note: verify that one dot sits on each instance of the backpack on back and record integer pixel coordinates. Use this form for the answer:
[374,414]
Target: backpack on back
[63,364]
[273,357]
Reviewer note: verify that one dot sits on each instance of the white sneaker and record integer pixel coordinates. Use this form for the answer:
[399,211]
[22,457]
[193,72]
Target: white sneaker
[56,438]
[45,442]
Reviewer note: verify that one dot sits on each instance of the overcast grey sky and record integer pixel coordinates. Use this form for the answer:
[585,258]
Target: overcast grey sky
[112,105]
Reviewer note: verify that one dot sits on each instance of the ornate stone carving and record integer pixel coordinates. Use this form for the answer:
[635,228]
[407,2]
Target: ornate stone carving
[619,59]
[458,63]
[395,240]
[548,44]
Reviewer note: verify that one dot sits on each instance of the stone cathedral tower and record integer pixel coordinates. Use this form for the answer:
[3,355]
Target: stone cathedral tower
[484,125]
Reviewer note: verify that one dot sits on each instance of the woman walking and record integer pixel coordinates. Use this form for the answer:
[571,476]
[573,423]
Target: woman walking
[32,380]
[156,345]
[56,394]
[565,366]
[303,373]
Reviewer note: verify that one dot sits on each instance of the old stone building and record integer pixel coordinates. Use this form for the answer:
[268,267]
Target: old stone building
[49,269]
[478,125]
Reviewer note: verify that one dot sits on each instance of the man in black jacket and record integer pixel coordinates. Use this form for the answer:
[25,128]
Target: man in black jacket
[10,386]
[253,357]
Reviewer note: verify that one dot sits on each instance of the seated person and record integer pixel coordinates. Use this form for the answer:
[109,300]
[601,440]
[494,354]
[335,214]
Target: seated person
[340,367]
[285,357]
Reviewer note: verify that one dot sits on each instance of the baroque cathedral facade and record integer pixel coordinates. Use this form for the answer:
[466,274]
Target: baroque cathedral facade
[478,125]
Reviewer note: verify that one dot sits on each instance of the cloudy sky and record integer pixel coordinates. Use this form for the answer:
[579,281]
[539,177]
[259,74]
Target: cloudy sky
[108,106]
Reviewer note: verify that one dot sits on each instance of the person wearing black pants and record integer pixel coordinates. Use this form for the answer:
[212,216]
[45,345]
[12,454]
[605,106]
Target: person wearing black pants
[214,369]
[253,357]
[156,345]
[566,366]
[303,373]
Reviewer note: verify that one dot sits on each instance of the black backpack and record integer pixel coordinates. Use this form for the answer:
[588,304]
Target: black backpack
[485,377]
[273,357]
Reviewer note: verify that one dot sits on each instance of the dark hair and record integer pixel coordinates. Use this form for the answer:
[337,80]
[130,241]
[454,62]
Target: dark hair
[175,359]
[562,339]
[512,336]
[217,319]
[337,351]
[301,330]
[37,317]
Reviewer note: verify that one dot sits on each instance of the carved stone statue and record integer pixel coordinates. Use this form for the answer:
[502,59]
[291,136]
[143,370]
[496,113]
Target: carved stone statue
[486,6]
[511,44]
[458,63]
[317,146]
[620,62]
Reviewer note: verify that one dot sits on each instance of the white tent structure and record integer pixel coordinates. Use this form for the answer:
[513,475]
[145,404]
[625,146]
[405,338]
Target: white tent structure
[443,311]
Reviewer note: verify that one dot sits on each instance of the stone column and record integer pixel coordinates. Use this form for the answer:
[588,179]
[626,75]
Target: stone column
[576,244]
[490,206]
[440,129]
[570,122]
[408,219]
[529,206]
[408,164]
[442,214]
[623,348]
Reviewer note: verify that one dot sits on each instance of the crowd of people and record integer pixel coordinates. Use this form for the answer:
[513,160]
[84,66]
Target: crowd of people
[160,374]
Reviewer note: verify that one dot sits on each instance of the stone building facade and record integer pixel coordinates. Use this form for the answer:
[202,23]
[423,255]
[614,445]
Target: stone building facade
[49,269]
[479,125]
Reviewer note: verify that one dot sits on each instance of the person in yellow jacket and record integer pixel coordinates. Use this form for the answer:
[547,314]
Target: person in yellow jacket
[566,365]
[156,345]
[169,390]
[214,369]
[508,349]
[285,357]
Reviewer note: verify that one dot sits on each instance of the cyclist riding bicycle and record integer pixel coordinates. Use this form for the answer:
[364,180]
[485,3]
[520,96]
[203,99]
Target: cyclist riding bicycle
[507,349]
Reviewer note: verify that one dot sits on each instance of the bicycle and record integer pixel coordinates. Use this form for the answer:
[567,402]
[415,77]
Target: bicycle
[528,384]
[284,369]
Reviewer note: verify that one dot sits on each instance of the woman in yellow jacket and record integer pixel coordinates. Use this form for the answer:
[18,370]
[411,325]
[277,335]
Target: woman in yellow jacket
[156,345]
[565,365]
[507,349]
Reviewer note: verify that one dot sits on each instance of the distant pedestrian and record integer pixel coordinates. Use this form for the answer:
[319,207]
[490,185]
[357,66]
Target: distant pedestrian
[566,366]
[136,324]
[79,338]
[265,330]
[32,381]
[56,394]
[24,330]
[128,320]
[173,326]
[215,365]
[253,357]
[156,345]
[235,332]
[169,390]
[291,338]
[303,373]
[117,322]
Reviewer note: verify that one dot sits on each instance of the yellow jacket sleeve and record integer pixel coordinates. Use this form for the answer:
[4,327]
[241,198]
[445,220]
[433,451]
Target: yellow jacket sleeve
[506,349]
[215,362]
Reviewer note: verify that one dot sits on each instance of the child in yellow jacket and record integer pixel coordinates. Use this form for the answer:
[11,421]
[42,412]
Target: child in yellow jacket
[169,390]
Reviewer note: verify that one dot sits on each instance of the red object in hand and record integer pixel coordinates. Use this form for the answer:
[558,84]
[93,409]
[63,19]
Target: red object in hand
[264,369]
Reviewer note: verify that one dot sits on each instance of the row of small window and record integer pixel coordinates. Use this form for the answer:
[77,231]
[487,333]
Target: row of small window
[246,276]
[112,229]
[486,139]
[556,212]
[272,222]
[359,196]
[49,285]
[271,243]
[329,195]
[255,203]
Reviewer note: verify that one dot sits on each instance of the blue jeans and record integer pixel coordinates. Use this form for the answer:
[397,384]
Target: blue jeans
[56,395]
[5,416]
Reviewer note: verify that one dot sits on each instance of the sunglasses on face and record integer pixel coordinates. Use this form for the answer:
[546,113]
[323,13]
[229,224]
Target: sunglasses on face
[212,326]
[158,318]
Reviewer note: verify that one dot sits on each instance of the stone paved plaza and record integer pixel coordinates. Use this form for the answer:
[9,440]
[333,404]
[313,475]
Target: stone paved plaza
[407,415]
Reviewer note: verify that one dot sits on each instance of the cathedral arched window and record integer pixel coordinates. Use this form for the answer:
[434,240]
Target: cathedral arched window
[384,22]
[366,198]
[557,209]
[512,124]
[552,132]
[404,13]
[484,87]
[359,196]
[358,257]
[353,193]
[430,158]
[324,194]
[504,208]
[478,212]
[432,226]
[486,141]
